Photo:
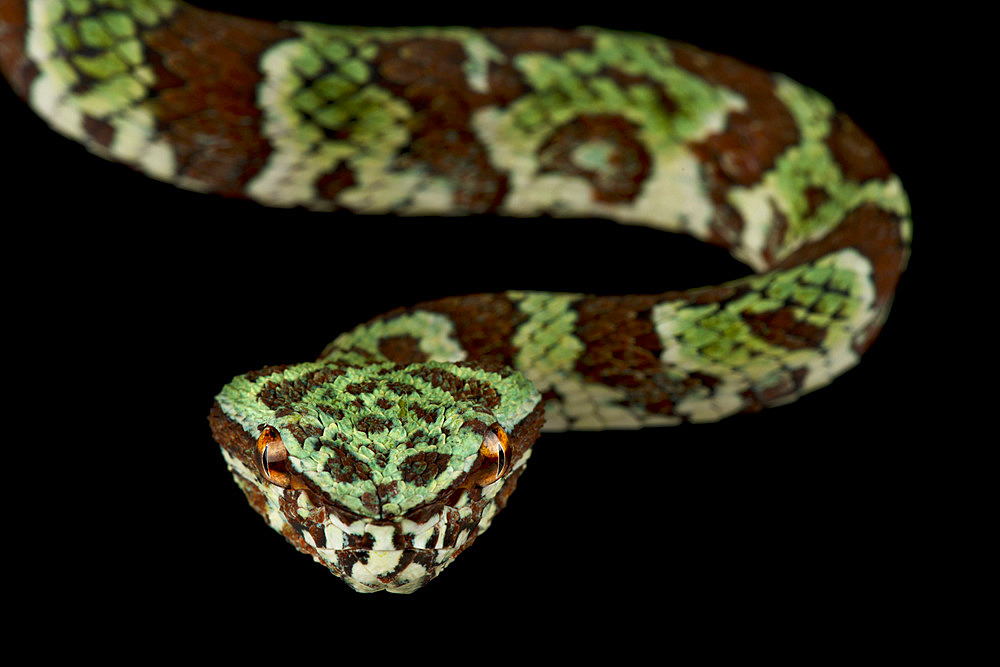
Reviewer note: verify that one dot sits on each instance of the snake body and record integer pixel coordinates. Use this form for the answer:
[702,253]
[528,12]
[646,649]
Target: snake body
[386,457]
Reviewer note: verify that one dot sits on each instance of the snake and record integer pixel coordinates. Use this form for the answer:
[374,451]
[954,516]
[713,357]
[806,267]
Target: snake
[393,451]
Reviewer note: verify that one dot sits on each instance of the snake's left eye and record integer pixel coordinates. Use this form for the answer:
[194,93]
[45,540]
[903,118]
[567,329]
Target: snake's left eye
[272,458]
[496,449]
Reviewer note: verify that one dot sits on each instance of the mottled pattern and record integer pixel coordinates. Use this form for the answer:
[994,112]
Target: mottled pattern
[361,435]
[384,432]
[397,552]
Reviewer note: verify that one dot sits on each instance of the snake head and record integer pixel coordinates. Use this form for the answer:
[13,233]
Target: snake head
[381,472]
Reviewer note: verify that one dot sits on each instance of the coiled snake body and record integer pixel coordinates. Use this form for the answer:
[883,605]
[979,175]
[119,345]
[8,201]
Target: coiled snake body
[389,455]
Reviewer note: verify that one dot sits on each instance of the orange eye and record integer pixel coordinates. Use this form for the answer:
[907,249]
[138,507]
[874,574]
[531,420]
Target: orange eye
[272,458]
[495,447]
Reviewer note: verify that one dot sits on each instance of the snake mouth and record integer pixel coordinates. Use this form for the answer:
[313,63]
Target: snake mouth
[395,571]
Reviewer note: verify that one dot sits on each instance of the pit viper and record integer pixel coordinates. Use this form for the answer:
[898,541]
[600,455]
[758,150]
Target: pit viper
[392,452]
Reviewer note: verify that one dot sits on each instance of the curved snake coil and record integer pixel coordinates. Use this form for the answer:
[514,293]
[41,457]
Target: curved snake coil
[389,455]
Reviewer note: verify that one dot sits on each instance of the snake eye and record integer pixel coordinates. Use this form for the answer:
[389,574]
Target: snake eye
[272,458]
[495,447]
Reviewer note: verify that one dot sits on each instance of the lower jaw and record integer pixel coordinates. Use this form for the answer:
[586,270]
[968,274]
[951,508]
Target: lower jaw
[398,571]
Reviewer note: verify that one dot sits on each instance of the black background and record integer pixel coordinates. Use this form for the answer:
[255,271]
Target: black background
[144,300]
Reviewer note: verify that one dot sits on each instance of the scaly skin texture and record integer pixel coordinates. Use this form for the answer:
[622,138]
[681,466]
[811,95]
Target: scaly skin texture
[385,458]
[383,431]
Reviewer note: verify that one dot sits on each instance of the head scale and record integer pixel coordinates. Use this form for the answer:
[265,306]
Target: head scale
[381,472]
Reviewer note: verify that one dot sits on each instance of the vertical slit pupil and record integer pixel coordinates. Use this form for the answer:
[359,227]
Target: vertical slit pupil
[501,460]
[274,461]
[276,464]
[501,441]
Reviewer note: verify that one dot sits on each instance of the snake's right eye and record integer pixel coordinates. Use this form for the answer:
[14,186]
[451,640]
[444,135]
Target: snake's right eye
[272,458]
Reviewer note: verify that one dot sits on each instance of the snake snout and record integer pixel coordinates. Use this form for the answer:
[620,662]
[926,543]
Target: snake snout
[396,571]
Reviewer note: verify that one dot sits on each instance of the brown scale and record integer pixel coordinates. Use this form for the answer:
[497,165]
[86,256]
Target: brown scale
[265,371]
[372,424]
[775,239]
[421,468]
[629,162]
[623,349]
[515,41]
[205,96]
[630,159]
[13,27]
[779,327]
[253,495]
[751,141]
[303,431]
[356,388]
[790,384]
[753,138]
[345,468]
[402,349]
[313,522]
[875,233]
[428,75]
[461,389]
[428,415]
[329,185]
[296,540]
[232,437]
[282,394]
[100,131]
[858,156]
[815,197]
[484,325]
